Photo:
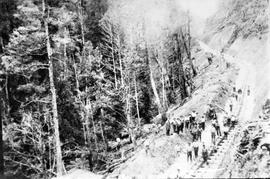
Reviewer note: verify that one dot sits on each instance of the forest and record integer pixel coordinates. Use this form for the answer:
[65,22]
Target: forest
[75,75]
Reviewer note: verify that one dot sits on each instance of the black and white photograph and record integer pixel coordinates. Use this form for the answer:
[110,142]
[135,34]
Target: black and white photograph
[134,89]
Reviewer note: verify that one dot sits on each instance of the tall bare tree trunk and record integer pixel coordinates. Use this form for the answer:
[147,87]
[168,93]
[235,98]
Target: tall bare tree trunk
[128,115]
[76,79]
[102,131]
[82,27]
[112,54]
[65,54]
[94,127]
[7,97]
[120,62]
[164,96]
[1,135]
[152,81]
[59,163]
[1,45]
[137,100]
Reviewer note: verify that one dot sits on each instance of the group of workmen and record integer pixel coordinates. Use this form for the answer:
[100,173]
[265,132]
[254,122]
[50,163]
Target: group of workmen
[195,125]
[186,123]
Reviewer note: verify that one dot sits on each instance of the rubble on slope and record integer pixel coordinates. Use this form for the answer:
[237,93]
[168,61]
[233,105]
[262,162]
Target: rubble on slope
[253,157]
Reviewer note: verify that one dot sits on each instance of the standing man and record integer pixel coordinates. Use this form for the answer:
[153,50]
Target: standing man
[193,117]
[217,128]
[167,127]
[202,124]
[194,133]
[196,148]
[231,105]
[187,122]
[226,131]
[211,112]
[248,91]
[173,122]
[164,118]
[189,152]
[213,134]
[147,147]
[205,154]
[234,121]
[199,133]
[181,124]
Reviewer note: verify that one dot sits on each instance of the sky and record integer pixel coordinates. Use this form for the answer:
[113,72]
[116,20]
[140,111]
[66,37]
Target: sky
[164,14]
[200,8]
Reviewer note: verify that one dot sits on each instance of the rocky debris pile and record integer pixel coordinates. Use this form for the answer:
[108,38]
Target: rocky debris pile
[253,154]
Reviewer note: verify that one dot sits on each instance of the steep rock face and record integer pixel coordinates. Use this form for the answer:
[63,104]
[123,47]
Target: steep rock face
[241,28]
[237,19]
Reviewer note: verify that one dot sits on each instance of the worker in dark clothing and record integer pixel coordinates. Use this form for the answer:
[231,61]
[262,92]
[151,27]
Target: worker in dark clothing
[199,133]
[236,97]
[177,123]
[226,131]
[167,127]
[174,125]
[181,124]
[164,118]
[205,154]
[228,120]
[90,161]
[118,143]
[231,105]
[191,121]
[234,121]
[195,146]
[202,123]
[187,122]
[213,135]
[210,60]
[194,133]
[189,152]
[211,112]
[217,126]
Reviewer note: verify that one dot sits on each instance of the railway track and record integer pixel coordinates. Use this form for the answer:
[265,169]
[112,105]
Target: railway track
[216,157]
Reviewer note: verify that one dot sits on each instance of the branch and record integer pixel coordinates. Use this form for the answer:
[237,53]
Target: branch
[27,165]
[34,101]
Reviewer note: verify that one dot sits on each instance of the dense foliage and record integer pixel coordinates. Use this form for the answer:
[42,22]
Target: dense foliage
[107,82]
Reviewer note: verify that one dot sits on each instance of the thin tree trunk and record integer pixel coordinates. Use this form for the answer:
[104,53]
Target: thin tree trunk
[112,54]
[59,165]
[76,79]
[82,28]
[129,120]
[65,55]
[1,45]
[137,101]
[94,128]
[152,81]
[155,92]
[102,131]
[163,92]
[120,62]
[1,137]
[7,98]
